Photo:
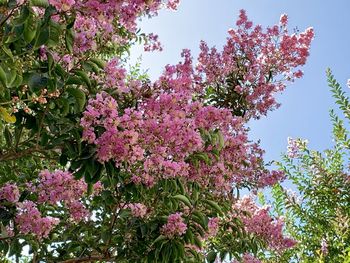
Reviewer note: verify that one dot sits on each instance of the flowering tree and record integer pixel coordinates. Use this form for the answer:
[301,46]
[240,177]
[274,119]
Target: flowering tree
[318,216]
[100,164]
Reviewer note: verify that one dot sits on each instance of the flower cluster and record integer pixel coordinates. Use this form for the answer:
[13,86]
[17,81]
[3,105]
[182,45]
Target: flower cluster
[255,64]
[58,189]
[115,75]
[152,43]
[295,146]
[175,226]
[160,137]
[97,22]
[10,193]
[138,209]
[30,220]
[258,221]
[213,226]
[59,186]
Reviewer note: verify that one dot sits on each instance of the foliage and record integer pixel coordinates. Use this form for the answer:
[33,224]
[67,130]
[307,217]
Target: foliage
[101,164]
[318,215]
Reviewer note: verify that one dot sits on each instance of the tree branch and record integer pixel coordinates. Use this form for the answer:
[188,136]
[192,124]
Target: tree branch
[86,259]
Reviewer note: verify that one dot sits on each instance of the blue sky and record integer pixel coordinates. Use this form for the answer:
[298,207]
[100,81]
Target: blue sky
[306,103]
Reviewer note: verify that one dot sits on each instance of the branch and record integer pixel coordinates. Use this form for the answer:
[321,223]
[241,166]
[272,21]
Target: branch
[8,156]
[86,259]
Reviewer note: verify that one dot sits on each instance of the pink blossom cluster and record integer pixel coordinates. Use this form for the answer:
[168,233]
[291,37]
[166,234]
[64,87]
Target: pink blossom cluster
[260,62]
[295,146]
[258,221]
[62,5]
[30,220]
[86,29]
[152,43]
[324,247]
[115,76]
[10,193]
[55,189]
[60,186]
[77,210]
[213,226]
[138,209]
[157,139]
[98,22]
[175,226]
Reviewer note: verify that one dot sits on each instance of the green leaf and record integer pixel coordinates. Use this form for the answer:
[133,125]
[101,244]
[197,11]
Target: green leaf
[43,35]
[159,238]
[221,140]
[211,256]
[55,33]
[84,77]
[18,81]
[11,77]
[29,32]
[183,199]
[214,205]
[69,39]
[39,3]
[99,62]
[8,137]
[198,242]
[106,235]
[6,116]
[79,96]
[3,78]
[8,52]
[74,80]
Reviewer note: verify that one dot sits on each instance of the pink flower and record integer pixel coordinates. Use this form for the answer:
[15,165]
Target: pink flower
[62,5]
[175,226]
[10,193]
[258,221]
[324,247]
[30,221]
[213,226]
[115,75]
[59,186]
[284,20]
[138,209]
[77,211]
[152,43]
[295,146]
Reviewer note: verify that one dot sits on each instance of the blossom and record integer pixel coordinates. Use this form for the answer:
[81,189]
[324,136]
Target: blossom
[213,226]
[283,19]
[10,193]
[30,220]
[62,5]
[138,209]
[295,146]
[158,138]
[152,43]
[175,226]
[59,186]
[256,53]
[324,247]
[258,221]
[77,211]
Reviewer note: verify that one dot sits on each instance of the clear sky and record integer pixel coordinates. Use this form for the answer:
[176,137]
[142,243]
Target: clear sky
[306,103]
